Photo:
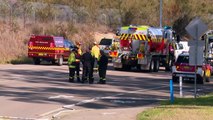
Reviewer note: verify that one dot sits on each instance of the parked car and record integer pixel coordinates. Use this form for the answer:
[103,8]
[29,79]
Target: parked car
[182,68]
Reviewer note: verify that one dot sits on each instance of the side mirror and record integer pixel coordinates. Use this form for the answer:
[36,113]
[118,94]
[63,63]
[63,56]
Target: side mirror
[118,33]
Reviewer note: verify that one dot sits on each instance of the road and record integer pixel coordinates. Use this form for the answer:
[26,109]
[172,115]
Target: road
[42,91]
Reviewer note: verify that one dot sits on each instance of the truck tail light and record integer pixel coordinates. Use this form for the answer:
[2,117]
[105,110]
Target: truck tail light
[30,44]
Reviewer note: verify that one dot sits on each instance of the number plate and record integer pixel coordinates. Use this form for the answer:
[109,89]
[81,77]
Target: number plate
[40,54]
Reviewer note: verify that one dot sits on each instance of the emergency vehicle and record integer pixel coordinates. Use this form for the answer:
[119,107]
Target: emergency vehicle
[182,69]
[48,48]
[208,39]
[145,47]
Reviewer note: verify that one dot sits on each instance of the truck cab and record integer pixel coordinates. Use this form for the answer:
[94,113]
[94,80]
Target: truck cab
[180,47]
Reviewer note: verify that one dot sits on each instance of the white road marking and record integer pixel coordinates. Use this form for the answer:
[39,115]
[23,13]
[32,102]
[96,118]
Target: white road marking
[61,97]
[59,111]
[109,113]
[18,118]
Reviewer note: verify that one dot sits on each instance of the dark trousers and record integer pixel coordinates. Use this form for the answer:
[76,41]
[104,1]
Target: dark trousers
[77,69]
[71,74]
[102,75]
[87,72]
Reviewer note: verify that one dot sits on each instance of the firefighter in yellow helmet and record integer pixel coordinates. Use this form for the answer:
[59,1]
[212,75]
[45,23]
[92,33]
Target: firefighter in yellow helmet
[78,45]
[78,58]
[72,64]
[96,55]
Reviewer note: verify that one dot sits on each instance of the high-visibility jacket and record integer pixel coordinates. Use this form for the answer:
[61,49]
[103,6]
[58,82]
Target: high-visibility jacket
[95,51]
[71,60]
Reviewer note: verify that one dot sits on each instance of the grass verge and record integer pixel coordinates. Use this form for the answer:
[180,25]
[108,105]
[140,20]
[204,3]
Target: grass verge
[182,109]
[21,60]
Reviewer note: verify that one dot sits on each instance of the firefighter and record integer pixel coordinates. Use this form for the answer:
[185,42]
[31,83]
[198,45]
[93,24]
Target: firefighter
[96,54]
[78,57]
[72,65]
[78,45]
[103,61]
[87,61]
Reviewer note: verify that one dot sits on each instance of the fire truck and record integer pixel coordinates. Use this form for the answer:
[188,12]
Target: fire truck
[48,48]
[208,51]
[144,47]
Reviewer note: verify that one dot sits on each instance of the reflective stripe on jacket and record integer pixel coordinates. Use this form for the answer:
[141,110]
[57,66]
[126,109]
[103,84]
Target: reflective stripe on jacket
[71,60]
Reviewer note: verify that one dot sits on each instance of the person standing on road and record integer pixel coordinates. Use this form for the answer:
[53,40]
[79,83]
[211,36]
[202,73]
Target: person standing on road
[96,54]
[72,65]
[102,67]
[78,58]
[87,61]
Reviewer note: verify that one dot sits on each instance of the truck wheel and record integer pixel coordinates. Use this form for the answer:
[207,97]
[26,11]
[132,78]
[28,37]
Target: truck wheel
[156,66]
[207,79]
[36,61]
[139,67]
[200,79]
[151,66]
[60,61]
[53,62]
[175,79]
[127,67]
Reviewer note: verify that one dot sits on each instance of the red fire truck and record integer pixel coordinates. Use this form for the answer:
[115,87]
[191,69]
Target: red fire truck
[145,47]
[48,48]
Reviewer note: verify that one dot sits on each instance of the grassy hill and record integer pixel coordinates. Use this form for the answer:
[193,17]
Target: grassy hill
[80,20]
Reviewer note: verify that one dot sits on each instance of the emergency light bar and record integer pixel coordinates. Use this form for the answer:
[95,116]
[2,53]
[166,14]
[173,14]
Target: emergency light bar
[132,28]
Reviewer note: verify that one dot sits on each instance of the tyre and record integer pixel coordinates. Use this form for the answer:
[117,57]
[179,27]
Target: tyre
[36,61]
[127,67]
[60,61]
[151,67]
[207,79]
[138,67]
[156,66]
[175,79]
[53,62]
[200,79]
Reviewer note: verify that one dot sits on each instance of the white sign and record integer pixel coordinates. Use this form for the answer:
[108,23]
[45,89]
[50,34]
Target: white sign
[199,54]
[196,28]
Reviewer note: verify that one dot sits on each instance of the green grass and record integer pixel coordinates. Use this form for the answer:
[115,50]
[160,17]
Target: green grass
[21,60]
[183,109]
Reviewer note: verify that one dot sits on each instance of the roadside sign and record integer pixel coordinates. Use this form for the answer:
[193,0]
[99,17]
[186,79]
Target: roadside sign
[199,56]
[193,43]
[196,28]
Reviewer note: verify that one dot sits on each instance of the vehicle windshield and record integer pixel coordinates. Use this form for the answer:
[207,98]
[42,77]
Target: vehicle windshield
[68,43]
[105,42]
[183,59]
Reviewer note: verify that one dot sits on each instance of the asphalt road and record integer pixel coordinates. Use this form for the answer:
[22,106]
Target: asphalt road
[42,91]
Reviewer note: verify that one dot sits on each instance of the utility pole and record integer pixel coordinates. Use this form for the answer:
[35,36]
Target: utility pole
[161,6]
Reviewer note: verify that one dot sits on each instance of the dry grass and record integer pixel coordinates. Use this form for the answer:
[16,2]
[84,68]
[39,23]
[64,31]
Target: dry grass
[13,43]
